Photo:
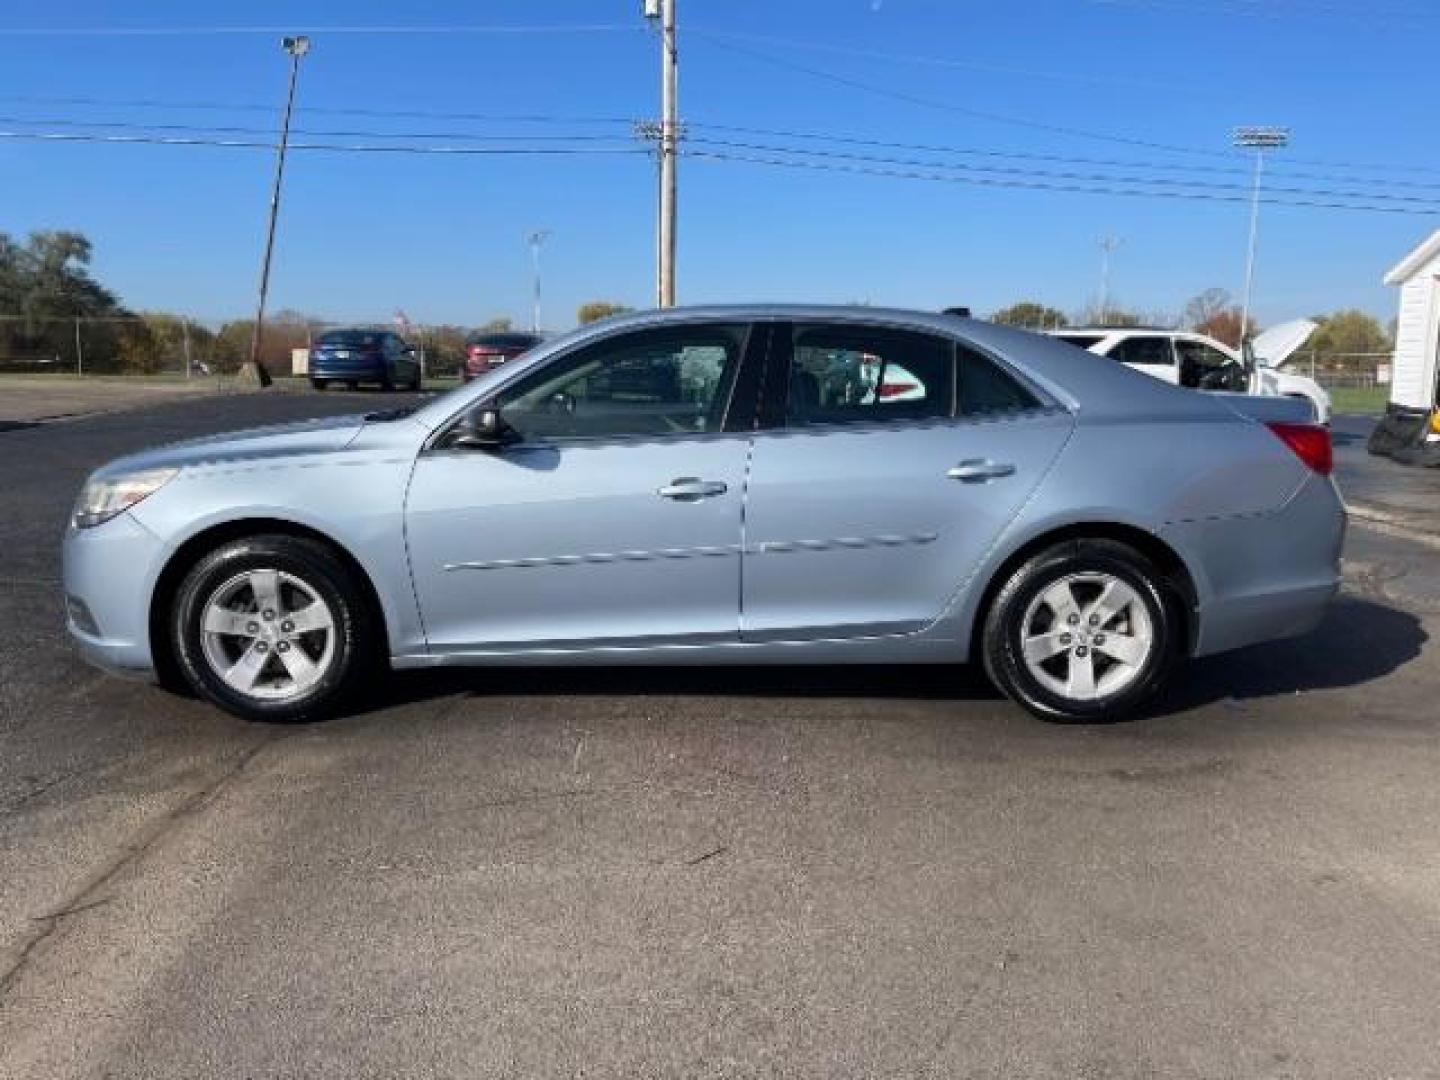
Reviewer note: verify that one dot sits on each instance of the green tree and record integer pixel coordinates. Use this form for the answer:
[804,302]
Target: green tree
[45,285]
[1030,313]
[1349,331]
[1112,315]
[595,310]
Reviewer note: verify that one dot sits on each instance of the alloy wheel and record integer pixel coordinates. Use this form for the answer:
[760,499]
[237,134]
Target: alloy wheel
[1087,636]
[268,634]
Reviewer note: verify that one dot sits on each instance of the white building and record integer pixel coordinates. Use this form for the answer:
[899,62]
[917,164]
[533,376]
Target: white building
[1417,336]
[1411,428]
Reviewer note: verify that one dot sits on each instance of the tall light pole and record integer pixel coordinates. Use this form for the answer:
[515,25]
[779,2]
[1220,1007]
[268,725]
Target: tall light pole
[296,47]
[535,239]
[1258,139]
[1108,244]
[664,12]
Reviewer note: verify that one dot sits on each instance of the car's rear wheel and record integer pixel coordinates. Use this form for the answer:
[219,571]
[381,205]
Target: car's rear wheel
[272,628]
[1085,630]
[319,384]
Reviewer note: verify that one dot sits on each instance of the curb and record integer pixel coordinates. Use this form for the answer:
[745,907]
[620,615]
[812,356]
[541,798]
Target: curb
[1390,523]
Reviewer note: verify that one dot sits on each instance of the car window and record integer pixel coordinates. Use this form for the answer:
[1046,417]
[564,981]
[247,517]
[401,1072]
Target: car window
[513,341]
[352,338]
[1143,350]
[1198,360]
[841,374]
[674,381]
[1080,341]
[985,389]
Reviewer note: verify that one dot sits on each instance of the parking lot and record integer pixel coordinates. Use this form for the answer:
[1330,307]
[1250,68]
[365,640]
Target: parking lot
[833,872]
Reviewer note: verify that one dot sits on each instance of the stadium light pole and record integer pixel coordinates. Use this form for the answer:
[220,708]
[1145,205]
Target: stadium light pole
[1108,244]
[1258,139]
[535,239]
[296,47]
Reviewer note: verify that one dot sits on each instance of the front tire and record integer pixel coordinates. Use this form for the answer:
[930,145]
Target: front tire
[273,628]
[1086,630]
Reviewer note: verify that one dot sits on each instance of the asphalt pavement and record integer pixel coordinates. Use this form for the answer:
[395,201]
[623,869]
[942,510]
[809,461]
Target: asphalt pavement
[777,872]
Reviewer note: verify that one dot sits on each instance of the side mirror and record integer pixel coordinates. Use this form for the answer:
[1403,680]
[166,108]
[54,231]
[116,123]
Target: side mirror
[484,429]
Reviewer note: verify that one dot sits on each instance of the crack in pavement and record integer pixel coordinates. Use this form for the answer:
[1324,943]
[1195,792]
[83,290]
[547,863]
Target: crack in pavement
[84,899]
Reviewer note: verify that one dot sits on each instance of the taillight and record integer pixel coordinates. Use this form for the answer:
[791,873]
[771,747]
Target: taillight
[1310,442]
[895,389]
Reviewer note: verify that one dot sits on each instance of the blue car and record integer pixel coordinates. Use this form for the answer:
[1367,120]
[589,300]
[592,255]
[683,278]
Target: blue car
[696,487]
[353,357]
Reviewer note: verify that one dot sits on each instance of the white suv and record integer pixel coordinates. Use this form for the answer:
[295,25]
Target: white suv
[1203,363]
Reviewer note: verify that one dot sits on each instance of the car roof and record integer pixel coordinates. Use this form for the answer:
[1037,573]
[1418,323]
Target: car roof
[1078,380]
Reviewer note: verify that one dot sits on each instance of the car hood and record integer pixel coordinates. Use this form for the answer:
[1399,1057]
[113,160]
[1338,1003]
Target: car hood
[1278,344]
[256,444]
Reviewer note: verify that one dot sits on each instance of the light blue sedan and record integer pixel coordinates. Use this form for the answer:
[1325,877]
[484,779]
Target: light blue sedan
[721,486]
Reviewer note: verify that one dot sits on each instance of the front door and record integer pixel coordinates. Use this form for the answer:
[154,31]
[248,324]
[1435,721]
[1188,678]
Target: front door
[896,460]
[612,520]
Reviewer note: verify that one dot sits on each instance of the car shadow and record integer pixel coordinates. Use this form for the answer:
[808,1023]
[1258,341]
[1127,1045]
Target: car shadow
[1358,642]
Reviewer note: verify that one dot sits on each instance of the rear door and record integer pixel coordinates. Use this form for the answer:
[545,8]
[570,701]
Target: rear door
[1150,353]
[887,463]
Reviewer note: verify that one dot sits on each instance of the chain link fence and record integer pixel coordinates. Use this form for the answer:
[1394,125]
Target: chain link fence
[180,347]
[1344,371]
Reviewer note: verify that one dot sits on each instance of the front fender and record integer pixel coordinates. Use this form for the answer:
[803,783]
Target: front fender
[359,510]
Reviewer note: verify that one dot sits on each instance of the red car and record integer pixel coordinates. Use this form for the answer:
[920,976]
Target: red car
[487,351]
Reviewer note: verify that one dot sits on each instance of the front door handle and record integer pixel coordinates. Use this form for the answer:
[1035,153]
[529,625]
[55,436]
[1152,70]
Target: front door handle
[691,488]
[979,471]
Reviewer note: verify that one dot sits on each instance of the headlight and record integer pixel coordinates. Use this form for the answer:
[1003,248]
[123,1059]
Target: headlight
[100,500]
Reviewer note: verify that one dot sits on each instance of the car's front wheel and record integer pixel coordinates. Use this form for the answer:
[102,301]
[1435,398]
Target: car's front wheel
[1084,630]
[272,628]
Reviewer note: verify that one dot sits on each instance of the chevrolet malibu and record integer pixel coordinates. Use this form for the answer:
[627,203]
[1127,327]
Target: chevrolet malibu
[695,487]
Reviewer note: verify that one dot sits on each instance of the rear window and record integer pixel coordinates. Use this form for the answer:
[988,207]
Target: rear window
[504,341]
[1080,341]
[985,390]
[353,338]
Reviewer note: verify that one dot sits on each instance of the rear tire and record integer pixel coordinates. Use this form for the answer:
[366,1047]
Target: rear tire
[273,628]
[1087,630]
[319,384]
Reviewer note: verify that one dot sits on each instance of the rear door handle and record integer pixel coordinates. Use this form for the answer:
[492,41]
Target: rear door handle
[691,488]
[980,470]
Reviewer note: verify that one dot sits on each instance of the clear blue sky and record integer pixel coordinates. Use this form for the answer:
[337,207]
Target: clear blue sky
[441,235]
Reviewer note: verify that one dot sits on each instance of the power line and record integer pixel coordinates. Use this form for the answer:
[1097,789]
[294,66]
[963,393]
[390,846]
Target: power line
[908,174]
[167,134]
[1022,155]
[628,121]
[218,31]
[1061,75]
[962,110]
[1158,181]
[228,129]
[1113,186]
[351,148]
[1016,121]
[395,114]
